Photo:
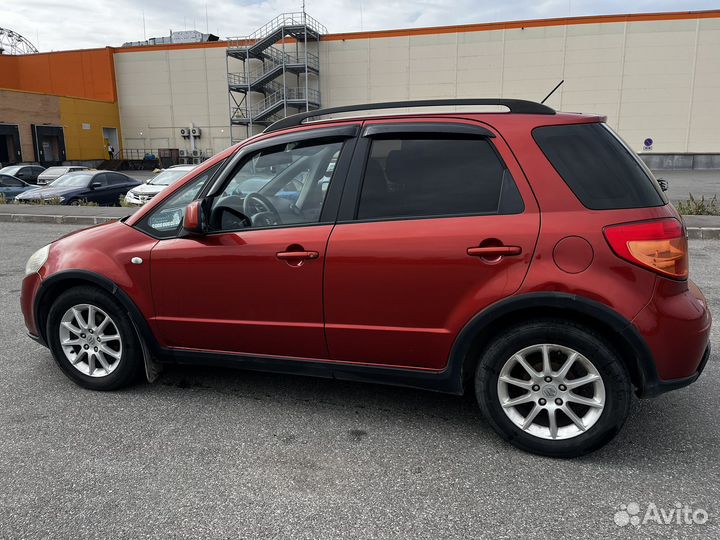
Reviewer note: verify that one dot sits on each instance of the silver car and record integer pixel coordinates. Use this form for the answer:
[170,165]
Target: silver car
[143,193]
[53,173]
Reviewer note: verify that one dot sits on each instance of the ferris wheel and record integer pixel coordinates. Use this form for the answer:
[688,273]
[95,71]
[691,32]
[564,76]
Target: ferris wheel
[13,43]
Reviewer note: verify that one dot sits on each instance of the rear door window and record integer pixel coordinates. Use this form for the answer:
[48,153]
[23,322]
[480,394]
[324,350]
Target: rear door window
[423,176]
[8,181]
[598,167]
[116,179]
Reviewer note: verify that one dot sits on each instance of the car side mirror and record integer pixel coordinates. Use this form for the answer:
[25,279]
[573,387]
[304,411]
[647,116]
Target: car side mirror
[95,185]
[193,220]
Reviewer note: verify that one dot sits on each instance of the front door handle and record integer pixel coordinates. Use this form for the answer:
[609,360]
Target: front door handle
[297,255]
[494,251]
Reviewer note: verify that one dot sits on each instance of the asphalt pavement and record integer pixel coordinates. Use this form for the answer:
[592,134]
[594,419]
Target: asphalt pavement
[214,453]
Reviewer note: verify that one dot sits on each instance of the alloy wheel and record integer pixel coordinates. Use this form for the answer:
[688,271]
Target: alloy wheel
[551,391]
[90,340]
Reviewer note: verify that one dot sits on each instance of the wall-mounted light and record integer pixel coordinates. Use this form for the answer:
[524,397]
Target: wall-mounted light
[141,133]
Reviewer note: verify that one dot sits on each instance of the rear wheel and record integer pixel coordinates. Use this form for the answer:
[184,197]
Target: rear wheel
[553,388]
[92,339]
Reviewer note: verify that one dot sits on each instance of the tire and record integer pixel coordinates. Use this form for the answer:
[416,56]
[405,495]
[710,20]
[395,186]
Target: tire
[123,356]
[558,340]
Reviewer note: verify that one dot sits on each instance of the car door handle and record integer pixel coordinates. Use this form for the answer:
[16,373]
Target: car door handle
[494,251]
[297,255]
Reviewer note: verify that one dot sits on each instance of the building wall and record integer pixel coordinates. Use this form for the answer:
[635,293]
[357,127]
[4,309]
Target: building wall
[83,122]
[657,79]
[25,109]
[161,90]
[654,76]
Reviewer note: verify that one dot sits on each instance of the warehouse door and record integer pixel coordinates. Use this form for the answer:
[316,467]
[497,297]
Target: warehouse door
[9,144]
[49,143]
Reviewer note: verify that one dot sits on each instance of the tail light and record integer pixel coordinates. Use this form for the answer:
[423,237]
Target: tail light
[659,245]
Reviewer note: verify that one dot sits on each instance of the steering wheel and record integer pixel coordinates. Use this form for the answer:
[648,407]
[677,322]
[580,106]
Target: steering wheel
[226,214]
[259,206]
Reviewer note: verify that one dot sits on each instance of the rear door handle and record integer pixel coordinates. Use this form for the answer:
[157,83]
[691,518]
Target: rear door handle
[494,251]
[297,255]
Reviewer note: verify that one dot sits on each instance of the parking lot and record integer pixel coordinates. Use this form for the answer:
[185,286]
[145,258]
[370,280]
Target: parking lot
[217,453]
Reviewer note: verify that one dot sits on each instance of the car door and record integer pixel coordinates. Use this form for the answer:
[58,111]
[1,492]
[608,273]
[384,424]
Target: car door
[24,174]
[102,192]
[437,222]
[10,187]
[254,287]
[6,189]
[119,186]
[34,173]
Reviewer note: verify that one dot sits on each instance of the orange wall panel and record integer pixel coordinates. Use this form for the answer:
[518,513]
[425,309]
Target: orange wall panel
[88,74]
[8,71]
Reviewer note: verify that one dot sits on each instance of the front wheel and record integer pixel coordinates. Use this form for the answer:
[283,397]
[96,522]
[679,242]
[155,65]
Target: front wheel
[92,339]
[553,388]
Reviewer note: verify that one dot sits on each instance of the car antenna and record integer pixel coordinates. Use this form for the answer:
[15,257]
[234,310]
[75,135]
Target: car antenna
[553,91]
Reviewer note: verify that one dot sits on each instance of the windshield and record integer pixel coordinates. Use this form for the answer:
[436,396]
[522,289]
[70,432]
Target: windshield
[168,177]
[12,171]
[73,180]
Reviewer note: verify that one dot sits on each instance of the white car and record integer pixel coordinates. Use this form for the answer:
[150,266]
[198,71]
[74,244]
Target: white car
[53,173]
[142,194]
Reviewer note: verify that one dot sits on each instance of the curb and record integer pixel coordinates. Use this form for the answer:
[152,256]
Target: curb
[56,219]
[703,233]
[694,233]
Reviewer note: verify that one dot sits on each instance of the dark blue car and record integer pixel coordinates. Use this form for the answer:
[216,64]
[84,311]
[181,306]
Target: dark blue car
[101,187]
[11,186]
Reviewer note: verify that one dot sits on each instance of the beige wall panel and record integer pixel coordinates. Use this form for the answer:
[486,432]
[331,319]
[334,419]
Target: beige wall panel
[161,91]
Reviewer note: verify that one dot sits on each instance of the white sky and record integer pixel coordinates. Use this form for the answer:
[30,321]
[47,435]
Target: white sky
[75,24]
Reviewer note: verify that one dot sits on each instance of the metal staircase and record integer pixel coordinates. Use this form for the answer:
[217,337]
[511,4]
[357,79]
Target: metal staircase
[279,72]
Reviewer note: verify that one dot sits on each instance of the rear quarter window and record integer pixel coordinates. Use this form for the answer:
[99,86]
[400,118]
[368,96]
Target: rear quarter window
[602,172]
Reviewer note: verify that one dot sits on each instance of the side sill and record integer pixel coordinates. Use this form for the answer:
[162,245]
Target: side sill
[438,381]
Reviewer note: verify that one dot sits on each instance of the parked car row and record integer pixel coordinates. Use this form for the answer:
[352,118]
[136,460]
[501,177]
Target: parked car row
[102,187]
[75,184]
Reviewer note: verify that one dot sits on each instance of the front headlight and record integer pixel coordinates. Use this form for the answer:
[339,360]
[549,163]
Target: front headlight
[36,260]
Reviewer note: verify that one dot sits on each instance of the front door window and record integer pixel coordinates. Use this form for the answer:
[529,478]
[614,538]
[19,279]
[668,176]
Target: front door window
[279,186]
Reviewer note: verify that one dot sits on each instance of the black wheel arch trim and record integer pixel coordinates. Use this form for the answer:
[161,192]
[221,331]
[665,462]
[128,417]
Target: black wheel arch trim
[449,380]
[139,322]
[648,383]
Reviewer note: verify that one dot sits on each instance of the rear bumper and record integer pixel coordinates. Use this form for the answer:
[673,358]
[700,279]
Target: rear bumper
[653,388]
[676,327]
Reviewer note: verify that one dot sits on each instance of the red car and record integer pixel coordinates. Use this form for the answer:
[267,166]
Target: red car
[527,256]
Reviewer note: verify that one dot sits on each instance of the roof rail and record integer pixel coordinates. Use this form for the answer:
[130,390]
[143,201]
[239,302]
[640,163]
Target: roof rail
[519,106]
